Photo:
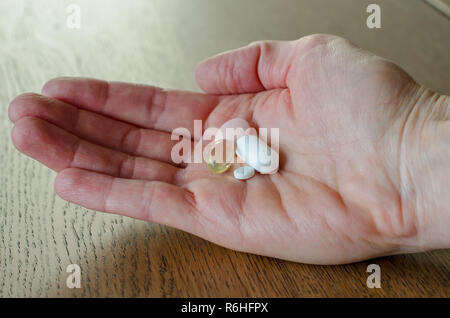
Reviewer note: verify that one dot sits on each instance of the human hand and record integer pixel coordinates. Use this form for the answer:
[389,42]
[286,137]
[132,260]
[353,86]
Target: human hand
[352,184]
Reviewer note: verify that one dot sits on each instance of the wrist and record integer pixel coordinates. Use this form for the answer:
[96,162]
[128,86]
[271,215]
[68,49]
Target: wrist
[424,168]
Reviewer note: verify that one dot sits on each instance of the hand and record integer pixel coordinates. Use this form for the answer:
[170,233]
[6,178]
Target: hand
[346,188]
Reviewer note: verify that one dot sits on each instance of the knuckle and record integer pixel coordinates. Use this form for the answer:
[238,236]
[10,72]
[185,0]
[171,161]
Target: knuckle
[256,43]
[264,46]
[317,41]
[228,71]
[148,195]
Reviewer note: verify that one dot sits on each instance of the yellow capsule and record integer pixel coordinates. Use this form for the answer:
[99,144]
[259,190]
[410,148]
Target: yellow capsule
[218,168]
[220,156]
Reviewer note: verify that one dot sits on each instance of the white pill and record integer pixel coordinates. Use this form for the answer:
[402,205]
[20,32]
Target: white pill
[257,154]
[244,172]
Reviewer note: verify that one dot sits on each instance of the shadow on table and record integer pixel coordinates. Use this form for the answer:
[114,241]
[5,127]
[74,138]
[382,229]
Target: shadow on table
[159,261]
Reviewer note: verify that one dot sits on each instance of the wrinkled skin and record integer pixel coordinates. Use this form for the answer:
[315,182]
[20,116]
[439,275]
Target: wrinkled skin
[343,192]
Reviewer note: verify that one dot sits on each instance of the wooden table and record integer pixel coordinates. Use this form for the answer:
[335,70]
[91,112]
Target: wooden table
[160,42]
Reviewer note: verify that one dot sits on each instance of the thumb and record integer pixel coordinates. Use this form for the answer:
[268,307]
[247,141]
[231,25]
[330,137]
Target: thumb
[260,66]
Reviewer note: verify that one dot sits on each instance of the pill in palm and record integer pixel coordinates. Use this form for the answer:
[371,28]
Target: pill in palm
[244,172]
[257,154]
[220,156]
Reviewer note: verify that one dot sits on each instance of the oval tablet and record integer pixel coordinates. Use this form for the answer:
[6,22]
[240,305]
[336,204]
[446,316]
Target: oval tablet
[257,154]
[233,129]
[244,172]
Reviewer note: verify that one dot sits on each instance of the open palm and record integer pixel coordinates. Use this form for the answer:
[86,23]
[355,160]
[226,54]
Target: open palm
[336,197]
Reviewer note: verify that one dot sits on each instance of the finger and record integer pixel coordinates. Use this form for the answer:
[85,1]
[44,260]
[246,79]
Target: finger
[58,150]
[141,105]
[260,66]
[94,127]
[146,200]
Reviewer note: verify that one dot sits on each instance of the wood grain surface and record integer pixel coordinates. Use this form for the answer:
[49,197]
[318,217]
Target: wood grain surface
[159,43]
